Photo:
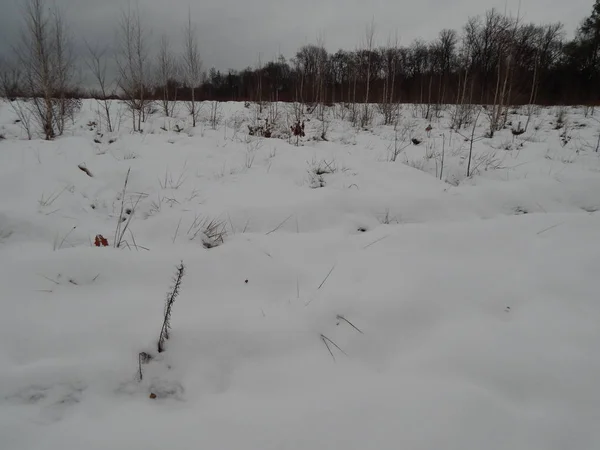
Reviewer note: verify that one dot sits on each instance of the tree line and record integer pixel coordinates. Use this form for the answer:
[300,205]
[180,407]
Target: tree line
[495,59]
[492,53]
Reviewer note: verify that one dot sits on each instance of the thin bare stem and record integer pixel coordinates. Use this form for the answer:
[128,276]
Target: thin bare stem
[328,274]
[280,225]
[339,317]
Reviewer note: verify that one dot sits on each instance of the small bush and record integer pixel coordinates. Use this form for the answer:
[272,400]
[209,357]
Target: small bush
[298,129]
[265,130]
[561,116]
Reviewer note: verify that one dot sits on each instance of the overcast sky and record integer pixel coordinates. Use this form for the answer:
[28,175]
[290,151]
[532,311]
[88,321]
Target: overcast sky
[233,32]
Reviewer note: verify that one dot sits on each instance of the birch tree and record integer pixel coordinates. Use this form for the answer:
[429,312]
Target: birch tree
[192,67]
[46,61]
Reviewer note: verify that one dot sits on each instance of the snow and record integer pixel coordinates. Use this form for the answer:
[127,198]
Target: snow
[475,300]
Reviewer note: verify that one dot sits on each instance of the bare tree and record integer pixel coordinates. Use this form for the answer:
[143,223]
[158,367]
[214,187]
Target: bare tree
[96,63]
[45,58]
[388,106]
[259,87]
[322,67]
[11,79]
[354,67]
[132,62]
[502,39]
[447,43]
[166,74]
[192,66]
[64,66]
[11,89]
[547,40]
[369,43]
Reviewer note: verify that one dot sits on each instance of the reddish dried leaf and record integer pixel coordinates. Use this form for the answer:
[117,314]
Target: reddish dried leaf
[100,241]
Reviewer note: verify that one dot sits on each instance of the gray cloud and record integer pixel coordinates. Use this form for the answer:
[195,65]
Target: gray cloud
[234,32]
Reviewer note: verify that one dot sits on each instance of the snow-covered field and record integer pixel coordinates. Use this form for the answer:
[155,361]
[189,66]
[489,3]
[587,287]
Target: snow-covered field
[373,307]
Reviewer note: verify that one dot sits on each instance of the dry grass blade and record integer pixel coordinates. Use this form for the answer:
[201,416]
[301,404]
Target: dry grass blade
[327,345]
[320,286]
[231,224]
[246,226]
[58,246]
[340,317]
[50,279]
[177,230]
[133,239]
[328,274]
[280,225]
[549,228]
[375,242]
[43,202]
[328,341]
[122,229]
[118,233]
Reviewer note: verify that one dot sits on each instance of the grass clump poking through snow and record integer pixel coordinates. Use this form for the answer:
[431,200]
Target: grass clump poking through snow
[212,232]
[171,182]
[170,300]
[317,171]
